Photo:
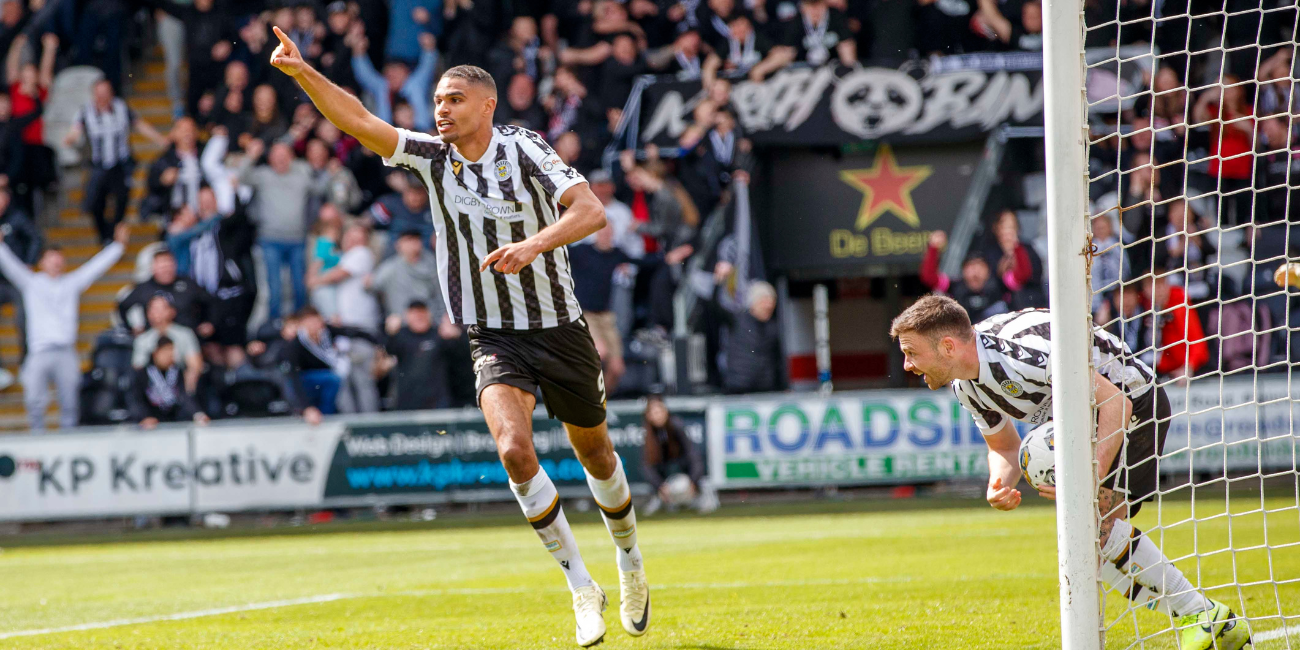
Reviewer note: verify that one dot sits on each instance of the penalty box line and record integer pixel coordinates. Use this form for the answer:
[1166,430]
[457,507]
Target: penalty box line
[467,591]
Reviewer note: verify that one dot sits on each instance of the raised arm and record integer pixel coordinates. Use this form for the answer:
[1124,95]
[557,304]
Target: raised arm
[13,268]
[87,273]
[339,107]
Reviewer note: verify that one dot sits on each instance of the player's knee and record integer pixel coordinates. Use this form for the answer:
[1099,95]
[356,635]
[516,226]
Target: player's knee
[516,457]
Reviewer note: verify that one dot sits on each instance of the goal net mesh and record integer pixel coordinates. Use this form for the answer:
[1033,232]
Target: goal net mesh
[1194,189]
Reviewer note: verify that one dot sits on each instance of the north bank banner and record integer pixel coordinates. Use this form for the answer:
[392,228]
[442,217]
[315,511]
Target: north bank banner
[959,99]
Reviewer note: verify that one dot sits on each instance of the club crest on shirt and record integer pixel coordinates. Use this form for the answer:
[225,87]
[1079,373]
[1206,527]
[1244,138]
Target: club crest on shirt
[504,170]
[1012,388]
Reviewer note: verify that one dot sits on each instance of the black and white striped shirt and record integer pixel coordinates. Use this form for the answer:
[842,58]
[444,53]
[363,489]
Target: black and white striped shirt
[508,195]
[109,133]
[1016,375]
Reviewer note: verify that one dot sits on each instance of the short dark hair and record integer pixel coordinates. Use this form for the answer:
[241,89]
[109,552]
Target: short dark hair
[163,341]
[411,233]
[474,75]
[934,316]
[306,312]
[418,304]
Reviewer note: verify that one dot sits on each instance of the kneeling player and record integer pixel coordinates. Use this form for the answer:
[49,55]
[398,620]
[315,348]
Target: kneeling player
[999,370]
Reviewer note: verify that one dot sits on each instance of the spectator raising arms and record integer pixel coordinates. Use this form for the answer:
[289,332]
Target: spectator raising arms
[52,301]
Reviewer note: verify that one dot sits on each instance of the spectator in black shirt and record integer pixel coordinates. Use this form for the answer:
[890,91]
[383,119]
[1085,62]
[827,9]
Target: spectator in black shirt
[754,359]
[519,52]
[158,392]
[190,300]
[683,58]
[619,71]
[208,37]
[421,371]
[820,34]
[744,50]
[669,451]
[336,54]
[593,277]
[520,107]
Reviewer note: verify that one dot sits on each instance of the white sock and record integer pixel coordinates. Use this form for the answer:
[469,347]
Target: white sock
[541,504]
[1135,567]
[615,501]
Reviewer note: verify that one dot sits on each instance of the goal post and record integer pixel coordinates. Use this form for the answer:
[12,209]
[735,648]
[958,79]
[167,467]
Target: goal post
[1173,217]
[1066,135]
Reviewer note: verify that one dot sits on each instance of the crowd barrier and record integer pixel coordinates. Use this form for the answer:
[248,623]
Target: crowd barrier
[763,441]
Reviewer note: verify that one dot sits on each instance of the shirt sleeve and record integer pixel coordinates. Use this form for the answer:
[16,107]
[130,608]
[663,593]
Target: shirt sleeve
[554,175]
[414,150]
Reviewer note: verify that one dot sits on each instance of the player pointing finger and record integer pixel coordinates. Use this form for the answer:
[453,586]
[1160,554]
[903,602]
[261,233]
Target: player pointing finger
[286,57]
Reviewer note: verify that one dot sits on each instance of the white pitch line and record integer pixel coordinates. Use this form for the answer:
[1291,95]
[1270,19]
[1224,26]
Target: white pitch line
[1271,635]
[180,616]
[467,591]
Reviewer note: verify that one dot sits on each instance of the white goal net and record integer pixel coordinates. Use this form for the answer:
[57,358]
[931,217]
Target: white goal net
[1193,194]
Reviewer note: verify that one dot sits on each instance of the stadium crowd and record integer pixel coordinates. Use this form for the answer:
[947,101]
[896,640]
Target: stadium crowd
[257,194]
[1191,168]
[263,202]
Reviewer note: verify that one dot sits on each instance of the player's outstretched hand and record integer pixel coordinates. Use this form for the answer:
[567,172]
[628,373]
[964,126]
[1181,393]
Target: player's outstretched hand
[1047,492]
[286,56]
[1001,496]
[511,258]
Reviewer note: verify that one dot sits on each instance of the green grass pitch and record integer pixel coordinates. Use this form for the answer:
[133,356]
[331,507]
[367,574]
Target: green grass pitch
[899,575]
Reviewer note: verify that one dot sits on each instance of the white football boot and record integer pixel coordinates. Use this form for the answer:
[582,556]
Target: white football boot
[589,610]
[634,601]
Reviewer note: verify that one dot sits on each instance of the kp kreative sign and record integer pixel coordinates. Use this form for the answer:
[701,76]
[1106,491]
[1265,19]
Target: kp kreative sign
[64,476]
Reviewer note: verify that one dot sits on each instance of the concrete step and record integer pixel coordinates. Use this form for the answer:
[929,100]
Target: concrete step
[139,102]
[143,85]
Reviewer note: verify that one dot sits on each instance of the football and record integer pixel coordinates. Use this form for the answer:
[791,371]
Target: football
[1038,456]
[680,489]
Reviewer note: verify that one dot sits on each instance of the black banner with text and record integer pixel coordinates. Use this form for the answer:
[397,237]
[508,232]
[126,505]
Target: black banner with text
[956,100]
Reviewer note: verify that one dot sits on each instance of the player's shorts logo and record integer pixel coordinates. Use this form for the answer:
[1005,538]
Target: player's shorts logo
[1013,388]
[483,361]
[504,170]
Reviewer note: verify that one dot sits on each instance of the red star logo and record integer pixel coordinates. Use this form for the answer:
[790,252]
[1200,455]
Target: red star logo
[886,187]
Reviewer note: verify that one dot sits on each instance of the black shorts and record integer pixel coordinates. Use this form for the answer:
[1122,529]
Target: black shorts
[560,362]
[1138,475]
